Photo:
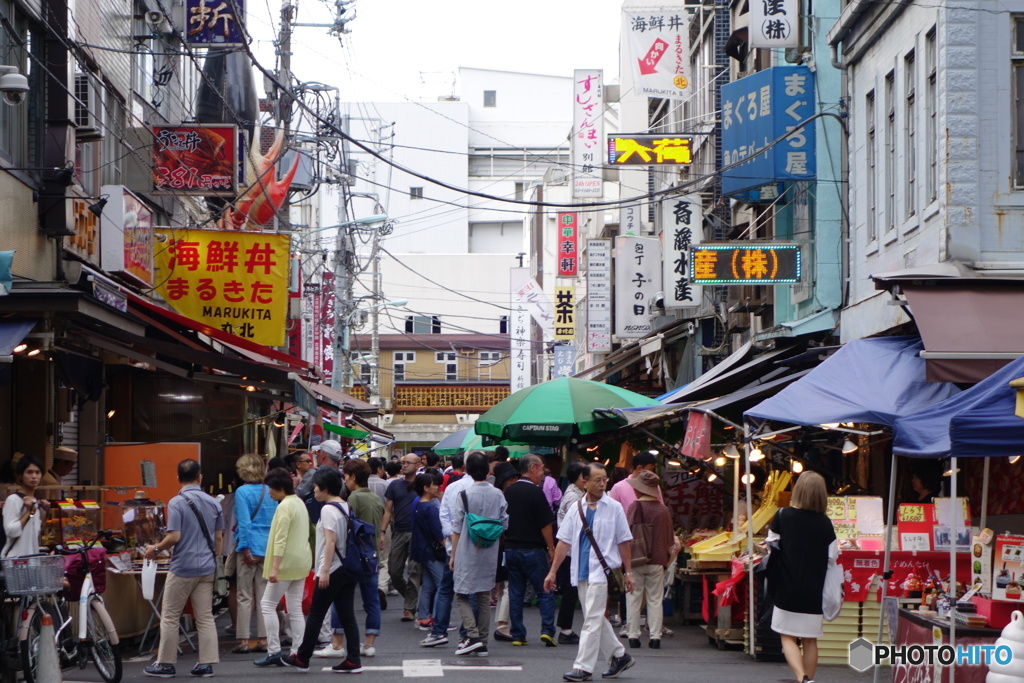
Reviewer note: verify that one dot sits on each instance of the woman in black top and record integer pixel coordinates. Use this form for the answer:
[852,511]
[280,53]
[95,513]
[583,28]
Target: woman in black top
[808,546]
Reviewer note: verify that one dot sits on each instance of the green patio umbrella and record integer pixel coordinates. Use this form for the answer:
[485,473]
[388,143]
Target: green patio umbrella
[466,440]
[556,410]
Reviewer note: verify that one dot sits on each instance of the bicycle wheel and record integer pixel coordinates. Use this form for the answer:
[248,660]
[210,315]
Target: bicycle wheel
[105,655]
[30,646]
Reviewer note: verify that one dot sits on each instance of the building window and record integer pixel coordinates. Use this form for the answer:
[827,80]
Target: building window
[435,324]
[931,103]
[402,358]
[503,325]
[910,126]
[451,366]
[361,366]
[490,98]
[520,191]
[21,127]
[871,178]
[487,360]
[1018,100]
[890,151]
[415,193]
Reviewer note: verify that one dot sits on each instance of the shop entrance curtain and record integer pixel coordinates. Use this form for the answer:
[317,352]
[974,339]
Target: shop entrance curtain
[868,380]
[976,423]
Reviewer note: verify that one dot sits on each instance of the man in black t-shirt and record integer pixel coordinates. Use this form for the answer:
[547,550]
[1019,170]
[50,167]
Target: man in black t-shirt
[398,500]
[529,548]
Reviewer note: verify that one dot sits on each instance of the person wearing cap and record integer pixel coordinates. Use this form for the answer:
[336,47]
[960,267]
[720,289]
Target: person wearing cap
[625,494]
[648,518]
[64,460]
[328,453]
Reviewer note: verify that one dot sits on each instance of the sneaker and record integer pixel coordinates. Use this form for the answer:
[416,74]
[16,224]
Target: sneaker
[471,646]
[158,670]
[347,667]
[295,662]
[269,660]
[425,624]
[367,650]
[462,643]
[568,638]
[618,665]
[577,675]
[481,651]
[202,671]
[383,597]
[549,641]
[502,636]
[655,644]
[330,652]
[392,592]
[520,643]
[407,616]
[434,640]
[615,620]
[624,631]
[634,642]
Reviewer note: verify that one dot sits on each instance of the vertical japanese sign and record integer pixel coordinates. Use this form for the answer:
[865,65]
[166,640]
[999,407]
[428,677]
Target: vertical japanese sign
[519,337]
[587,133]
[659,49]
[774,23]
[564,360]
[537,304]
[234,281]
[759,109]
[629,220]
[215,23]
[599,296]
[195,160]
[568,245]
[637,280]
[682,227]
[565,313]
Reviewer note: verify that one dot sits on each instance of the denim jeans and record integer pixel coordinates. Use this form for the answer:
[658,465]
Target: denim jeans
[371,604]
[430,582]
[528,565]
[443,602]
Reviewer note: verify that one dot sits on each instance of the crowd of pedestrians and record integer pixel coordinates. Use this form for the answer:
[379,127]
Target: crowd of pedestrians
[485,533]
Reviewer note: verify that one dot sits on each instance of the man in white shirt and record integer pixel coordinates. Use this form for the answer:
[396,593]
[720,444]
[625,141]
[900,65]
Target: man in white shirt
[610,532]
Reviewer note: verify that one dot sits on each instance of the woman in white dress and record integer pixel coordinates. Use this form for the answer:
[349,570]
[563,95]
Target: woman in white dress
[807,546]
[23,512]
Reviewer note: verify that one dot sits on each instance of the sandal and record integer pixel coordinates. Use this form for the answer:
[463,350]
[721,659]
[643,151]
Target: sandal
[241,649]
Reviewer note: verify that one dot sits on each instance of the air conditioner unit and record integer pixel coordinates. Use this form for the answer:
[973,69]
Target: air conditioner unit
[466,418]
[386,420]
[89,109]
[385,404]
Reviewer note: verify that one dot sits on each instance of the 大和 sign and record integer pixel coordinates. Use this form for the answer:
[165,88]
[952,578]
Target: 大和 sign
[565,313]
[587,132]
[199,160]
[682,227]
[649,150]
[759,109]
[234,281]
[637,280]
[774,23]
[659,44]
[745,263]
[214,23]
[568,245]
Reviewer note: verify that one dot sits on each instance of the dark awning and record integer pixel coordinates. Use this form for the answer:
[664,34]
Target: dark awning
[12,333]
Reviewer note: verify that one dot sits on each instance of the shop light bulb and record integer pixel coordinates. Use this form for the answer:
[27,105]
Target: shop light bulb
[674,463]
[747,479]
[110,413]
[1014,459]
[756,454]
[797,467]
[720,461]
[20,347]
[712,476]
[731,451]
[250,388]
[829,425]
[849,447]
[34,352]
[653,452]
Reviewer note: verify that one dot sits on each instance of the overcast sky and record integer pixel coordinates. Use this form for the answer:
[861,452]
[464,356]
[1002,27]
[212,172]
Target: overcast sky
[400,49]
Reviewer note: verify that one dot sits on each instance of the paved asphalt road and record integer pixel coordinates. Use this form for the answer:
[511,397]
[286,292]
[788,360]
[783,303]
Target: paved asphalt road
[683,657]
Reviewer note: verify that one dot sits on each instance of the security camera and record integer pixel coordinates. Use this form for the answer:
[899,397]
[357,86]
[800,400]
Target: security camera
[13,85]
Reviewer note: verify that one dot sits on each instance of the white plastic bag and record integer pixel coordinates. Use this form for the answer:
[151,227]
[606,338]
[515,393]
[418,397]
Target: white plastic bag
[832,596]
[148,579]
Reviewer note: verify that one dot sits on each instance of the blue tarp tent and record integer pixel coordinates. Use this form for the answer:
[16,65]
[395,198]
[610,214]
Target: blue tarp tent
[976,423]
[868,380]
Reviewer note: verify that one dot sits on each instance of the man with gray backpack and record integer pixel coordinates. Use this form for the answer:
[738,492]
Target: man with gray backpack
[479,516]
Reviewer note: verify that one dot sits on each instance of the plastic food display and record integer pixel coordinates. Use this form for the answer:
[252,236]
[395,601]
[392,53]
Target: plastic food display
[71,523]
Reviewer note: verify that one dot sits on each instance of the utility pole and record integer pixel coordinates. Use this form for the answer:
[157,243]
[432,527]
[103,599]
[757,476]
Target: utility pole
[373,391]
[341,373]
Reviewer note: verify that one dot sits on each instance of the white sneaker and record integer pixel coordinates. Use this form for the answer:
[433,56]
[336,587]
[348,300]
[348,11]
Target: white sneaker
[329,651]
[367,650]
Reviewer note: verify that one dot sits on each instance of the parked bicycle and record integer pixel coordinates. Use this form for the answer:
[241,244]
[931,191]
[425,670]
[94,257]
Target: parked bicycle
[37,580]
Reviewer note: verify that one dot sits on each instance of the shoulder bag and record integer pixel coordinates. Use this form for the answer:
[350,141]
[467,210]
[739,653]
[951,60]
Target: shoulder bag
[612,576]
[640,546]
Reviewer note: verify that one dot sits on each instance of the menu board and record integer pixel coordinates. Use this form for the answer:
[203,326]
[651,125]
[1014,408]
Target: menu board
[858,521]
[1008,568]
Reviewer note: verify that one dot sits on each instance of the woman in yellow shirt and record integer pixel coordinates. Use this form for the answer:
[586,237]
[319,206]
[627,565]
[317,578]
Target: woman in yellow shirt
[287,564]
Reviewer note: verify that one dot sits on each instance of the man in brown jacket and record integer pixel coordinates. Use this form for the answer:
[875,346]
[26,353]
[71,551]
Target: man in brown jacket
[650,520]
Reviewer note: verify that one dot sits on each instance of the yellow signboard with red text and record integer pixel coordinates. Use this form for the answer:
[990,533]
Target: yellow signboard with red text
[234,281]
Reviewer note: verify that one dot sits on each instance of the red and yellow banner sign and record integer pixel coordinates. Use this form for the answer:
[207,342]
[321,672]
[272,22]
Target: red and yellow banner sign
[235,281]
[568,247]
[195,160]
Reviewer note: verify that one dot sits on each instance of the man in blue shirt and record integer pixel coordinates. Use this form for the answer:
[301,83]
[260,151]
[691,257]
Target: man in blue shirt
[195,529]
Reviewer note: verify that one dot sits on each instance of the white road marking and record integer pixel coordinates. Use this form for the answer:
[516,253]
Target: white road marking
[428,668]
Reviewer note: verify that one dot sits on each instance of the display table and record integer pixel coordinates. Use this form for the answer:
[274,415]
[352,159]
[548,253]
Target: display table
[914,629]
[132,612]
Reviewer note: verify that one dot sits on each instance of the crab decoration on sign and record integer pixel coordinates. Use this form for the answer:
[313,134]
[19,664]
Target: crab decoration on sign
[265,194]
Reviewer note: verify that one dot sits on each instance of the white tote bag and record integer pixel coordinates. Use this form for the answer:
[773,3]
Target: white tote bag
[832,596]
[148,579]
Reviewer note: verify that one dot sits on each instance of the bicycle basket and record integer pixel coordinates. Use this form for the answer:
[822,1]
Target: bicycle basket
[33,575]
